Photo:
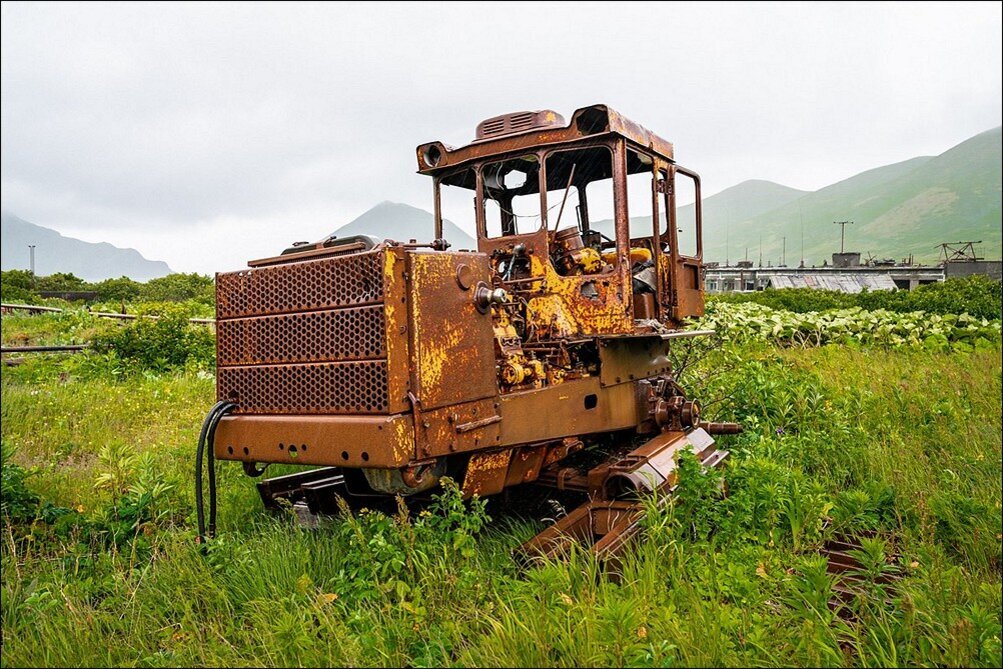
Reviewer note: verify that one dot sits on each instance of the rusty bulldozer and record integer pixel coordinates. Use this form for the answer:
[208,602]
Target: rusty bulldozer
[393,364]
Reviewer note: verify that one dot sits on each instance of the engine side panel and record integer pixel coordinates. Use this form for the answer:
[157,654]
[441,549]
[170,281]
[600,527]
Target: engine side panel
[453,342]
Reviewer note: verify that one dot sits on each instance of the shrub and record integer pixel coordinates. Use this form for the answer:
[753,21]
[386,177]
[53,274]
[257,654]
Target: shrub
[60,282]
[122,289]
[17,285]
[179,288]
[852,326]
[386,553]
[978,296]
[160,344]
[17,502]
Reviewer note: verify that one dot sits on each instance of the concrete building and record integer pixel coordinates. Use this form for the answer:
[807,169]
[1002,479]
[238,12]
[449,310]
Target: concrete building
[991,268]
[846,279]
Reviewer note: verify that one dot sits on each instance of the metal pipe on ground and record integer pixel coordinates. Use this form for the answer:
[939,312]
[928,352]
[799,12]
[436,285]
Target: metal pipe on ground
[69,348]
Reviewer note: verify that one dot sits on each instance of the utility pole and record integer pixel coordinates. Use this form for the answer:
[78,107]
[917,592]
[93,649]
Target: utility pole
[783,259]
[31,255]
[727,243]
[842,231]
[760,249]
[801,216]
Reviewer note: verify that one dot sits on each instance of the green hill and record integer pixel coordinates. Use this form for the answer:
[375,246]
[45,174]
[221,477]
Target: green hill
[747,199]
[907,207]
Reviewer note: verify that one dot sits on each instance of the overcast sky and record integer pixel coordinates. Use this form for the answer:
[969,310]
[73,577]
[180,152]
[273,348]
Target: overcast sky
[205,135]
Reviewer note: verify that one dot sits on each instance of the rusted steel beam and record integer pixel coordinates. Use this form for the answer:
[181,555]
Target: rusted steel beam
[72,348]
[28,307]
[34,308]
[842,562]
[722,428]
[132,317]
[280,487]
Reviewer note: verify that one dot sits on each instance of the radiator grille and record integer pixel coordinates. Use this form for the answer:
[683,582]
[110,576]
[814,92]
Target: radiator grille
[301,286]
[315,336]
[305,337]
[344,387]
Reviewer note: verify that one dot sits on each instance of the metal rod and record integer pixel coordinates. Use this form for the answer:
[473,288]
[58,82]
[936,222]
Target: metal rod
[42,349]
[842,232]
[100,314]
[29,307]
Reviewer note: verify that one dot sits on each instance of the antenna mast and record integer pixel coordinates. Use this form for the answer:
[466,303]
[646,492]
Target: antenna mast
[842,232]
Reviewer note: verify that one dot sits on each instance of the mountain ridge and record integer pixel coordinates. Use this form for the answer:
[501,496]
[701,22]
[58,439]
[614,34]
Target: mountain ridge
[402,222]
[908,207]
[55,252]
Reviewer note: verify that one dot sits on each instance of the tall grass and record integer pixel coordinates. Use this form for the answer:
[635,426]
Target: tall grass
[905,444]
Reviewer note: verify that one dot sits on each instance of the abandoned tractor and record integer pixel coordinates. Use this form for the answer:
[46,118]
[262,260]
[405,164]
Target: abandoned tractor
[394,364]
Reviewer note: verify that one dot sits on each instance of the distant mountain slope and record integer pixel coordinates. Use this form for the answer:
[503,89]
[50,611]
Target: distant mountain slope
[749,198]
[56,253]
[907,207]
[738,202]
[723,210]
[401,222]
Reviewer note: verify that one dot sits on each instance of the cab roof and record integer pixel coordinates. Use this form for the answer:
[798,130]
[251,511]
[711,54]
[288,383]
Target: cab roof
[532,129]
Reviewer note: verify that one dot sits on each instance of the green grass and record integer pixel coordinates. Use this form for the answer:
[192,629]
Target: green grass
[70,327]
[905,443]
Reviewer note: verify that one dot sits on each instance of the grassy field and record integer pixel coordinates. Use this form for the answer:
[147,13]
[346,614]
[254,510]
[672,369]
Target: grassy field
[100,567]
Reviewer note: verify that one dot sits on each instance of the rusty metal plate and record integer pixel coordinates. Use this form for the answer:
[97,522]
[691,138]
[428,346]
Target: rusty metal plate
[525,465]
[310,337]
[459,428]
[344,441]
[486,473]
[563,410]
[602,527]
[453,342]
[627,359]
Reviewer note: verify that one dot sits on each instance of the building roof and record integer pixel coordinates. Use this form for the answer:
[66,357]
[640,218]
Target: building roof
[844,283]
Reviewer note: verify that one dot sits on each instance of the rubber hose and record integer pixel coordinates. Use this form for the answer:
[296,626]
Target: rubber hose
[209,422]
[211,463]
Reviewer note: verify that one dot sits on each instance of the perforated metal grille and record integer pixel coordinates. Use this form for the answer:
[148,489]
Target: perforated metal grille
[301,286]
[342,387]
[304,337]
[316,336]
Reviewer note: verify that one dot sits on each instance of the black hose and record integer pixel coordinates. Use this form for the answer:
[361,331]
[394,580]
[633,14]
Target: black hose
[211,462]
[208,431]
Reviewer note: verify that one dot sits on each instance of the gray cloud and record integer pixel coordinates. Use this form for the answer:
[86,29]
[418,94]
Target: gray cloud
[207,134]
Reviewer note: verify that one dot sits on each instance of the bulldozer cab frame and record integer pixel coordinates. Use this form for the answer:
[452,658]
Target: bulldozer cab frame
[524,187]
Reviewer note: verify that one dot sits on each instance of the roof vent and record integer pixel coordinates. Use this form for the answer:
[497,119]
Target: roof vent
[516,122]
